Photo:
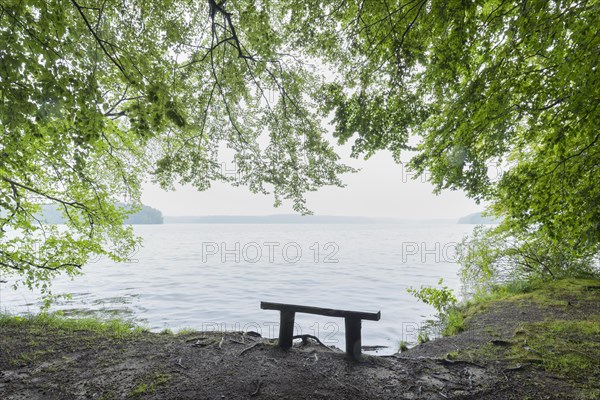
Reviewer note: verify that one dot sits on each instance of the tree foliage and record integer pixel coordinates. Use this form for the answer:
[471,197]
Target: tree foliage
[441,299]
[480,87]
[98,95]
[499,256]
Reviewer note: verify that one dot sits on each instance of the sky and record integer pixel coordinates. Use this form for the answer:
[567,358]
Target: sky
[381,188]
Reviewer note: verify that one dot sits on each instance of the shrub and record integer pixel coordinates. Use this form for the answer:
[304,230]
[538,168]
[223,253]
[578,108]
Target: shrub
[444,301]
[500,256]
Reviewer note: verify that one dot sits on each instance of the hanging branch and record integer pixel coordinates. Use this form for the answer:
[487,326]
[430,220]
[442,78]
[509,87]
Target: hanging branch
[100,41]
[215,8]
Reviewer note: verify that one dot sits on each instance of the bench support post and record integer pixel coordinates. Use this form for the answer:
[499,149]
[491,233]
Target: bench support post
[286,329]
[353,342]
[352,319]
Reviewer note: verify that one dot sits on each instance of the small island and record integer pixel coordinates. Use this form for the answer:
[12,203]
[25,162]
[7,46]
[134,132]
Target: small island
[478,219]
[51,214]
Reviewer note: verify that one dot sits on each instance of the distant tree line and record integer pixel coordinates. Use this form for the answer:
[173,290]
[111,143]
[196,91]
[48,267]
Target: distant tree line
[51,214]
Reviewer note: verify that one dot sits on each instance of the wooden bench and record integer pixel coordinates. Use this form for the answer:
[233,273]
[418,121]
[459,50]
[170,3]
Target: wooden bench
[353,320]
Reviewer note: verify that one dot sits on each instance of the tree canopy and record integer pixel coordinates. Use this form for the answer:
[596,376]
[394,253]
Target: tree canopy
[98,95]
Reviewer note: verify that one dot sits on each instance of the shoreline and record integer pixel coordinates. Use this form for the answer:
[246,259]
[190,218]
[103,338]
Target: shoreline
[542,344]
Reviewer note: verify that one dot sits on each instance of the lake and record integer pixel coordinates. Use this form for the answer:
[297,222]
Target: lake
[213,277]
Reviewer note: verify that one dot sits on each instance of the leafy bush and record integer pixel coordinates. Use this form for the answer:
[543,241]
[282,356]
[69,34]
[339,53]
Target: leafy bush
[423,337]
[444,301]
[441,299]
[506,256]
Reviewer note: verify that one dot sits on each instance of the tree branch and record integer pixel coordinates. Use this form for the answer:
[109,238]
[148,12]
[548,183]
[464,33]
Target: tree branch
[100,41]
[75,204]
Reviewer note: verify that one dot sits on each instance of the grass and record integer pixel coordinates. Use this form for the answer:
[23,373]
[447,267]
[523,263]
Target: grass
[422,337]
[113,327]
[565,348]
[154,381]
[555,293]
[541,292]
[187,331]
[453,322]
[403,346]
[568,348]
[30,357]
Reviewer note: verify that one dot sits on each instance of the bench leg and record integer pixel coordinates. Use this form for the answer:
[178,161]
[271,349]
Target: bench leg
[286,329]
[353,343]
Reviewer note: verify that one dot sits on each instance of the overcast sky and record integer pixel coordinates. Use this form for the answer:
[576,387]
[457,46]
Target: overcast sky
[381,189]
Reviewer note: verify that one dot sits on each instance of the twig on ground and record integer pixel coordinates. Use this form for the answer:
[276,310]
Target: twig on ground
[469,375]
[447,361]
[258,385]
[306,337]
[197,339]
[348,385]
[516,367]
[248,348]
[179,364]
[569,349]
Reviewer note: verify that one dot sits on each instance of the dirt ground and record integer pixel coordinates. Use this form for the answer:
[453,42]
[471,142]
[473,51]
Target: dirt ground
[51,363]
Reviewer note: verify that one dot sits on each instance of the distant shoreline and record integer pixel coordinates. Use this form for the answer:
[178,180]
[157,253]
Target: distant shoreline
[296,219]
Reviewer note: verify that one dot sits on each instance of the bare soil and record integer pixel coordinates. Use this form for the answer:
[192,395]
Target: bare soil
[54,364]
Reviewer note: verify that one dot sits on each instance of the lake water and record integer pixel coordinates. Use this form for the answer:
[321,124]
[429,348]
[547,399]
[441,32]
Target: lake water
[213,277]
